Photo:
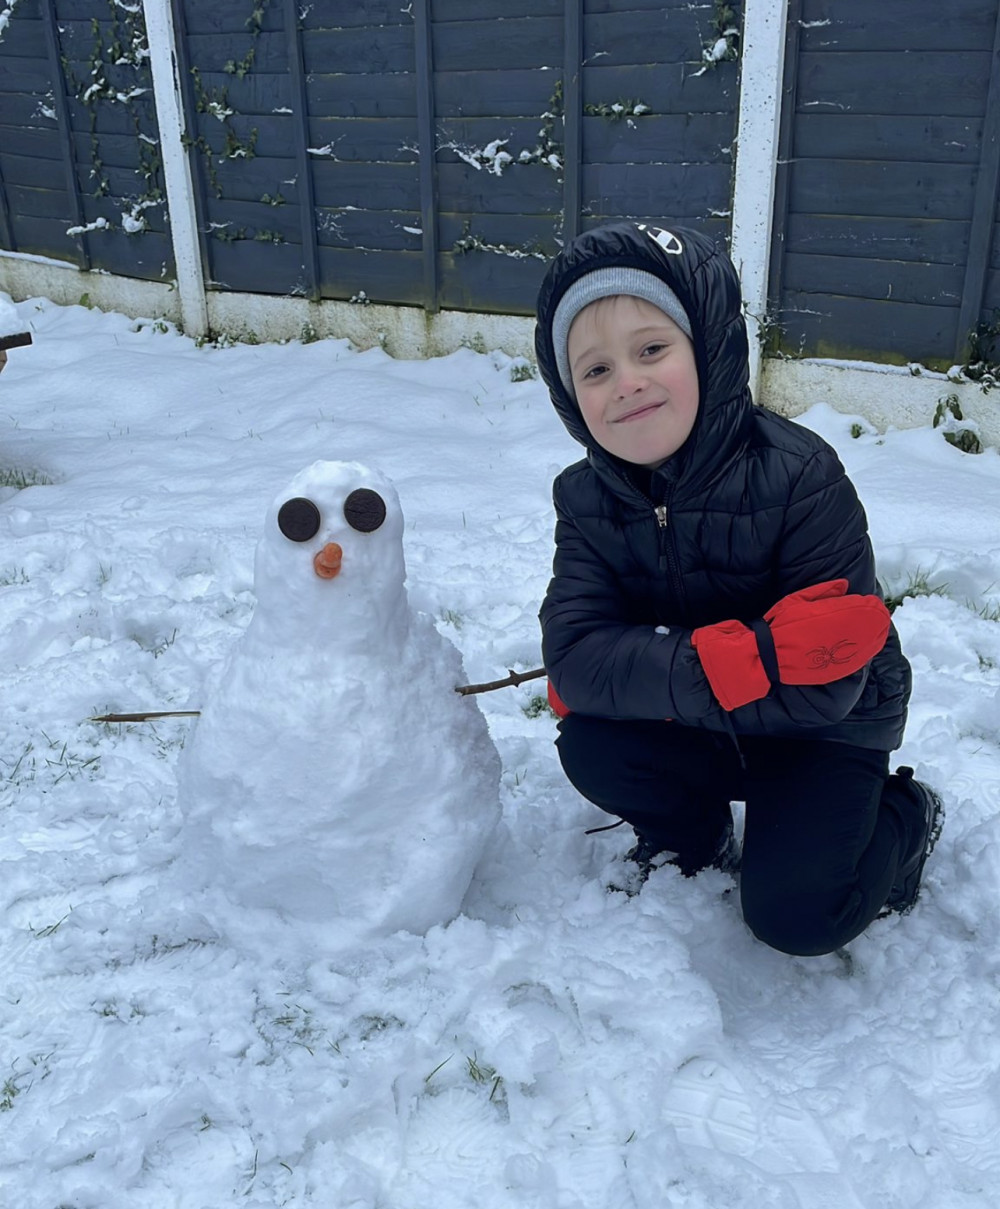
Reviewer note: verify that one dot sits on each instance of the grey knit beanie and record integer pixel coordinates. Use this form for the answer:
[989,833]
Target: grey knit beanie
[603,283]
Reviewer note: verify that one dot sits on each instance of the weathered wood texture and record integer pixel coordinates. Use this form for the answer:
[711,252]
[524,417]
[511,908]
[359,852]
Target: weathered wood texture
[889,128]
[656,139]
[309,179]
[80,172]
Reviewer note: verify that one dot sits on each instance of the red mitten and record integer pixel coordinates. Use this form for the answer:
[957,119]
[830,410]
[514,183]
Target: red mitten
[814,636]
[558,708]
[821,634]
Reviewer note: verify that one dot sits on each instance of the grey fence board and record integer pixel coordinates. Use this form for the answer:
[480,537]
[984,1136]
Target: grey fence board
[935,83]
[896,239]
[672,88]
[349,272]
[656,189]
[883,137]
[339,96]
[366,185]
[43,234]
[705,8]
[230,16]
[866,329]
[379,231]
[212,52]
[660,138]
[524,42]
[344,14]
[237,265]
[919,24]
[25,75]
[899,190]
[462,10]
[382,49]
[914,281]
[620,38]
[470,281]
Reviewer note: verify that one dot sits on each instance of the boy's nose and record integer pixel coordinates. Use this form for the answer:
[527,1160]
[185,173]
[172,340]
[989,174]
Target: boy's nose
[629,382]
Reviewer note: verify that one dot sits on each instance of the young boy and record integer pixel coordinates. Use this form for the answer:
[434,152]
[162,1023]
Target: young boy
[713,626]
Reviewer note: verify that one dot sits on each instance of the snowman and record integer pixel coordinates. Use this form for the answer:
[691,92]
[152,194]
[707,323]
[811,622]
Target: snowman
[335,778]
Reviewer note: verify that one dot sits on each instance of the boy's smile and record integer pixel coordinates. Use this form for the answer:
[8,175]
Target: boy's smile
[635,378]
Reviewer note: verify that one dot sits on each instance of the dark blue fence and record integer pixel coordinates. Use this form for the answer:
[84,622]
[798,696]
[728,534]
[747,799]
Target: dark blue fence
[435,153]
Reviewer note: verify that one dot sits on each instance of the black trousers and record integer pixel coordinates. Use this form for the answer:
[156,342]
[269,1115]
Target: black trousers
[822,839]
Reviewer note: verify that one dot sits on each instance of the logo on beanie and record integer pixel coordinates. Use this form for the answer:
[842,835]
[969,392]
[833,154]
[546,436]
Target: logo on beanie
[667,240]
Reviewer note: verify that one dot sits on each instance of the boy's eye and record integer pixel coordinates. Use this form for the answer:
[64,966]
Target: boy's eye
[595,371]
[654,348]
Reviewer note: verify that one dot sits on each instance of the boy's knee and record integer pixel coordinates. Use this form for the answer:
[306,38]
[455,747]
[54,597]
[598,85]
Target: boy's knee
[798,927]
[582,753]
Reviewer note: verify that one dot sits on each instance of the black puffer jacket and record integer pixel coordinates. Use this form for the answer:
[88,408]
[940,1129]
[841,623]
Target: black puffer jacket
[751,507]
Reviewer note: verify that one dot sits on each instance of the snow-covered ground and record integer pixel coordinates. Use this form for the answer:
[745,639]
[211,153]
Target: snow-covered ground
[558,1045]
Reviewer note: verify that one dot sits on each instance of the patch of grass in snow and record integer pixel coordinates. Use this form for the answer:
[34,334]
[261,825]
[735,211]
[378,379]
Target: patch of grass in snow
[918,584]
[20,477]
[537,706]
[484,1075]
[47,766]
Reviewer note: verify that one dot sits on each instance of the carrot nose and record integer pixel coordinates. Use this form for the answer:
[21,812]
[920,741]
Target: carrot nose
[327,562]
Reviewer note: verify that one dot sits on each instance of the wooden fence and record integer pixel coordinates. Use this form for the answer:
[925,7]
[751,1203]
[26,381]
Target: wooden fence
[435,153]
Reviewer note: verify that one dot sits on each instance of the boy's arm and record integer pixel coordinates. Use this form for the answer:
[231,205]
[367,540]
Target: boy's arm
[601,666]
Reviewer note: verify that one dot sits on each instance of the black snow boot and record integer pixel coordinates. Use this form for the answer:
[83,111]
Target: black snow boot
[649,855]
[922,814]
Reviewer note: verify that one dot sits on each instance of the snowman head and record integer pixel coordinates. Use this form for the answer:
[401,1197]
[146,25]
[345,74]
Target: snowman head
[329,565]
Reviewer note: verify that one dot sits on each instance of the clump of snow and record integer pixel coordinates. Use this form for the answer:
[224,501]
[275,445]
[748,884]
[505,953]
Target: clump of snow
[555,1044]
[10,322]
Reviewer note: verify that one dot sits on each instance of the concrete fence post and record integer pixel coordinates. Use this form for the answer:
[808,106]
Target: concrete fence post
[762,64]
[176,166]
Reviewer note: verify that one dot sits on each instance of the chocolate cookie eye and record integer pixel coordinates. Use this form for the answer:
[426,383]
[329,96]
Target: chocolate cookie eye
[298,519]
[364,510]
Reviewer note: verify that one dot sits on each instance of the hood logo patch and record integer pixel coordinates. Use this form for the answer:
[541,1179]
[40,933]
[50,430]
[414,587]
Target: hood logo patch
[667,240]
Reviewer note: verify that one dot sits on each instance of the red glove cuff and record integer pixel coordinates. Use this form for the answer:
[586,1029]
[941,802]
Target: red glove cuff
[732,663]
[558,708]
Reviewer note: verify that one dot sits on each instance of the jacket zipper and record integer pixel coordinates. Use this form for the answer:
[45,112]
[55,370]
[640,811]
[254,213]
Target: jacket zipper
[662,521]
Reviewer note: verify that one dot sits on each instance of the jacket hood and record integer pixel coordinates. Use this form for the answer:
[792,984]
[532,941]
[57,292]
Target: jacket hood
[705,282]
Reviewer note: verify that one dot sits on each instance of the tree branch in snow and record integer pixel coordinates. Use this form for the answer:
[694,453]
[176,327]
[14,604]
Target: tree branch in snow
[145,717]
[514,678]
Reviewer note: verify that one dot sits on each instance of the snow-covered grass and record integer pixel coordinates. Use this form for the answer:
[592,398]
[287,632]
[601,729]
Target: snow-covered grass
[558,1045]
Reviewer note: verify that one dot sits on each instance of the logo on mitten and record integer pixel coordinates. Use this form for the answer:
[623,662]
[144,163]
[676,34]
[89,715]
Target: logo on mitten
[841,652]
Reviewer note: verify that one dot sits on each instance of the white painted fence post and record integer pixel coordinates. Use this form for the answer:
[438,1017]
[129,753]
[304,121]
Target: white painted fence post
[761,76]
[176,166]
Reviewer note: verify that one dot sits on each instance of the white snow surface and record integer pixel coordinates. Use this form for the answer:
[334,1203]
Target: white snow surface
[9,322]
[556,1045]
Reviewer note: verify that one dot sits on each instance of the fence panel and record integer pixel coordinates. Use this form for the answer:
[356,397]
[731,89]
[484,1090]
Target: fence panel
[80,170]
[887,127]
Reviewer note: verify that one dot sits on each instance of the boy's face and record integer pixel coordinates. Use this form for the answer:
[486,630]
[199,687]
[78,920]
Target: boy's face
[635,378]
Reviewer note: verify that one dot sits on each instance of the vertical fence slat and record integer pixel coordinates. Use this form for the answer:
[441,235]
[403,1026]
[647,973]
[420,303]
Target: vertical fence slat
[782,174]
[6,231]
[572,116]
[428,152]
[984,210]
[65,130]
[307,205]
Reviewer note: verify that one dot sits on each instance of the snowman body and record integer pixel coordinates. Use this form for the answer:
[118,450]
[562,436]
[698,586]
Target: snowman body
[335,776]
